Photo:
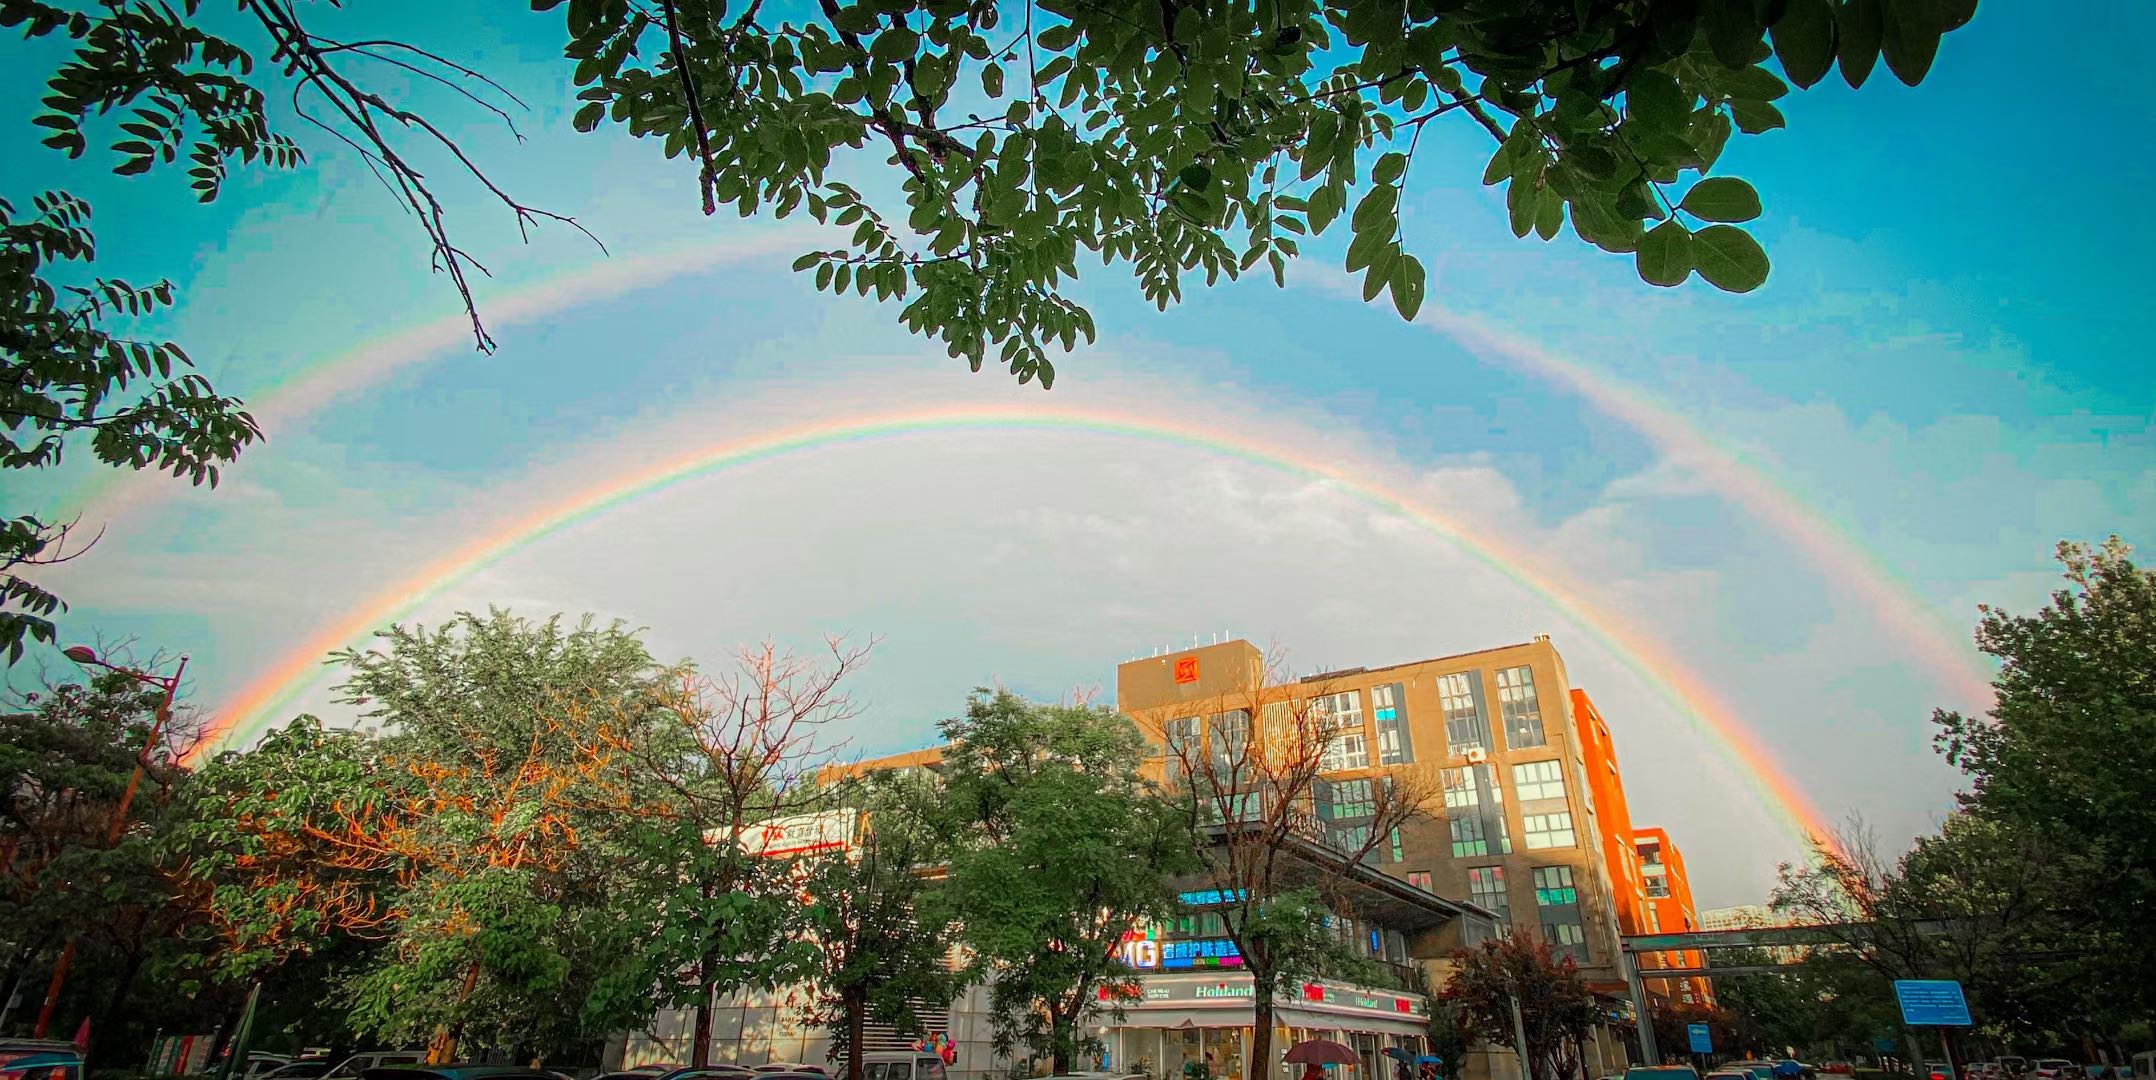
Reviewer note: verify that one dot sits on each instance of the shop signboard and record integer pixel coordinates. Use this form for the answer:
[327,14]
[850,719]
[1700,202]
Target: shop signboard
[801,834]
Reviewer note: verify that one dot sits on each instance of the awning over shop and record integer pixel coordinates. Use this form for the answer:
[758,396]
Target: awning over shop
[1289,1016]
[1186,1018]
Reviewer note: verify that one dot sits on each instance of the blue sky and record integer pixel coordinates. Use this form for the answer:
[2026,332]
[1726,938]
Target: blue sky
[1949,364]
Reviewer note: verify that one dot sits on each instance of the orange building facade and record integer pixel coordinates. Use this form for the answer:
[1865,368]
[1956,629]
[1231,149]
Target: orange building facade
[1670,910]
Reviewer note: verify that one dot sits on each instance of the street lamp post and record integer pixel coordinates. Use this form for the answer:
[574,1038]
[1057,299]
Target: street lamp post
[87,657]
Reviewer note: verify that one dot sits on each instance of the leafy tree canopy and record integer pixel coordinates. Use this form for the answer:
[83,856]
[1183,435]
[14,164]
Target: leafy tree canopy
[1556,1008]
[1178,137]
[1062,847]
[2066,759]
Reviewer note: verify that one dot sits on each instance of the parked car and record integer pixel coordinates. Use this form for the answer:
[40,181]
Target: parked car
[720,1071]
[791,1066]
[2013,1064]
[1839,1068]
[1661,1072]
[420,1071]
[356,1065]
[1729,1074]
[2055,1069]
[303,1069]
[39,1059]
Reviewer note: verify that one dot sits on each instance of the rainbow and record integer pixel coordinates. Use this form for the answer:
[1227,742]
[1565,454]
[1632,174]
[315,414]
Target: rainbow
[1947,652]
[304,388]
[259,703]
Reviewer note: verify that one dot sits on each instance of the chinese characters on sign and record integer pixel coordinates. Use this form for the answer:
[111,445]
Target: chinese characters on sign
[1186,669]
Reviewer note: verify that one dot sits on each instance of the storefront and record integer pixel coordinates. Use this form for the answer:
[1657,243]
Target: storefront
[1171,1020]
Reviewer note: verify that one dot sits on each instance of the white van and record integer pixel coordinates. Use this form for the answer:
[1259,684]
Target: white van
[902,1065]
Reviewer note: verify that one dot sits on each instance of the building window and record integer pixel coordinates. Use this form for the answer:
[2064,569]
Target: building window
[1475,810]
[1460,696]
[1346,745]
[1394,745]
[1557,907]
[1421,879]
[1658,885]
[1486,889]
[1182,740]
[1650,854]
[1540,831]
[1398,853]
[1545,816]
[1517,706]
[1538,780]
[1351,799]
[1231,734]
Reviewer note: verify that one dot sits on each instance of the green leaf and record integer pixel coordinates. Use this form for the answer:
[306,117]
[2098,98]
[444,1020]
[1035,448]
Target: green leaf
[1388,168]
[1057,38]
[808,260]
[1380,272]
[1654,99]
[1804,41]
[1665,255]
[1407,286]
[992,80]
[1549,216]
[1753,84]
[1729,258]
[1857,30]
[894,45]
[1754,117]
[1721,198]
[1196,177]
[1521,202]
[1732,31]
[1375,212]
[1909,35]
[1500,165]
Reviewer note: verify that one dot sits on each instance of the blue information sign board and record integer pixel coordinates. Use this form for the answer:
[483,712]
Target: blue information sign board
[1702,1039]
[1932,1002]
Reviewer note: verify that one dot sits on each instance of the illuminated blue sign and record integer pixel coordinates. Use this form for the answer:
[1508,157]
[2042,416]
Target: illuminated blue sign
[1212,896]
[1206,952]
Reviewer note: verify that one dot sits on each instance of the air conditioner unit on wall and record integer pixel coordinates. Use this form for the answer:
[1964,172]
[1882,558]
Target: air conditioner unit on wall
[1477,756]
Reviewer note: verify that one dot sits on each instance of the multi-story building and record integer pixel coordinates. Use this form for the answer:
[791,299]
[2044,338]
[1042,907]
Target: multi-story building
[1531,822]
[1670,911]
[1517,832]
[1518,829]
[1613,817]
[1755,917]
[1189,998]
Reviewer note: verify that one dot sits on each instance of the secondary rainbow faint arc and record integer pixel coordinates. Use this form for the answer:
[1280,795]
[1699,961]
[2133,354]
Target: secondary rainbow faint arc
[254,706]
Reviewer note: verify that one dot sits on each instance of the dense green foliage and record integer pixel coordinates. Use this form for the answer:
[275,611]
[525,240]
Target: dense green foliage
[1180,137]
[1555,1008]
[65,756]
[2037,894]
[2066,760]
[484,835]
[884,930]
[1063,846]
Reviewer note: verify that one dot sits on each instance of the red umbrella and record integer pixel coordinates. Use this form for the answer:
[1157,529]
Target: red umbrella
[1321,1052]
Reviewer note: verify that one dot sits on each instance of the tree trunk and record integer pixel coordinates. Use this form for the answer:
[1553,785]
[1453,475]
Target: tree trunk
[107,1022]
[700,1050]
[1061,1039]
[856,1030]
[1261,1029]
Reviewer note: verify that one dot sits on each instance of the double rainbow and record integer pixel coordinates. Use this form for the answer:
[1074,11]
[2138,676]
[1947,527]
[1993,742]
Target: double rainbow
[258,704]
